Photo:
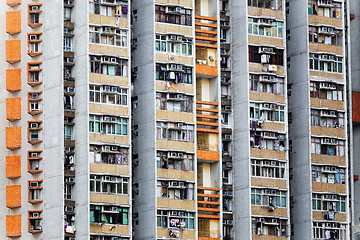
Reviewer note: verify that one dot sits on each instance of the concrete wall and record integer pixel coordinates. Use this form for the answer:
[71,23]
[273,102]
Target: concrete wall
[299,102]
[144,175]
[241,131]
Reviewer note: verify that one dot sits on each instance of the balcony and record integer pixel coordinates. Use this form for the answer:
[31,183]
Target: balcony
[206,42]
[208,211]
[207,123]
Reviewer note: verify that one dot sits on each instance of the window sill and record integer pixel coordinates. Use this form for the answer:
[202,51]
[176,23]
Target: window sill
[34,25]
[35,201]
[35,231]
[34,142]
[34,171]
[34,54]
[34,83]
[33,113]
[13,119]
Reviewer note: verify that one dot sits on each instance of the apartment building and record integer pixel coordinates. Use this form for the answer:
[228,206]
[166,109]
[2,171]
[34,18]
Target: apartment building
[67,129]
[318,89]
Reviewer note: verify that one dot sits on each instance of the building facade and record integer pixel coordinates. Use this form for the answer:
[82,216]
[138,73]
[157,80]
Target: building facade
[178,119]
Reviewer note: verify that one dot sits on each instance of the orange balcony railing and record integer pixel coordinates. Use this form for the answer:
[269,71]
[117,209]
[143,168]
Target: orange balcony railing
[207,119]
[208,202]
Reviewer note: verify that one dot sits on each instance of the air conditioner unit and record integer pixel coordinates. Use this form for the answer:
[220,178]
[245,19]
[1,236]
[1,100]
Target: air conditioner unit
[273,163]
[265,50]
[180,96]
[70,89]
[230,222]
[106,59]
[178,9]
[174,213]
[180,125]
[106,178]
[325,140]
[107,29]
[114,209]
[71,179]
[334,141]
[227,108]
[113,60]
[114,148]
[273,191]
[180,154]
[172,66]
[332,113]
[34,125]
[107,119]
[114,89]
[266,134]
[114,238]
[179,67]
[69,209]
[274,220]
[326,169]
[67,149]
[266,105]
[107,88]
[181,184]
[69,2]
[324,56]
[174,183]
[173,154]
[179,38]
[228,164]
[172,37]
[34,155]
[266,21]
[34,184]
[69,60]
[35,214]
[34,95]
[267,191]
[71,238]
[333,169]
[171,58]
[261,220]
[227,136]
[34,8]
[33,37]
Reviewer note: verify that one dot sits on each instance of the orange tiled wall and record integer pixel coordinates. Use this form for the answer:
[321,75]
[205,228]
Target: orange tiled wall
[13,166]
[13,225]
[13,196]
[13,80]
[13,137]
[13,109]
[356,106]
[13,51]
[13,22]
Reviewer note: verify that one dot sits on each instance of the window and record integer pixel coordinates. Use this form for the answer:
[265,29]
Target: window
[267,168]
[268,197]
[175,190]
[274,57]
[109,66]
[328,174]
[269,226]
[68,190]
[34,132]
[109,154]
[34,15]
[173,219]
[327,118]
[35,188]
[175,131]
[35,221]
[174,44]
[333,9]
[67,43]
[67,14]
[109,95]
[266,83]
[272,4]
[267,112]
[267,140]
[326,63]
[175,160]
[68,132]
[34,44]
[174,102]
[34,70]
[34,105]
[174,73]
[108,125]
[329,230]
[173,15]
[109,214]
[326,90]
[328,146]
[108,36]
[109,184]
[325,35]
[34,158]
[329,202]
[108,8]
[265,27]
[103,237]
